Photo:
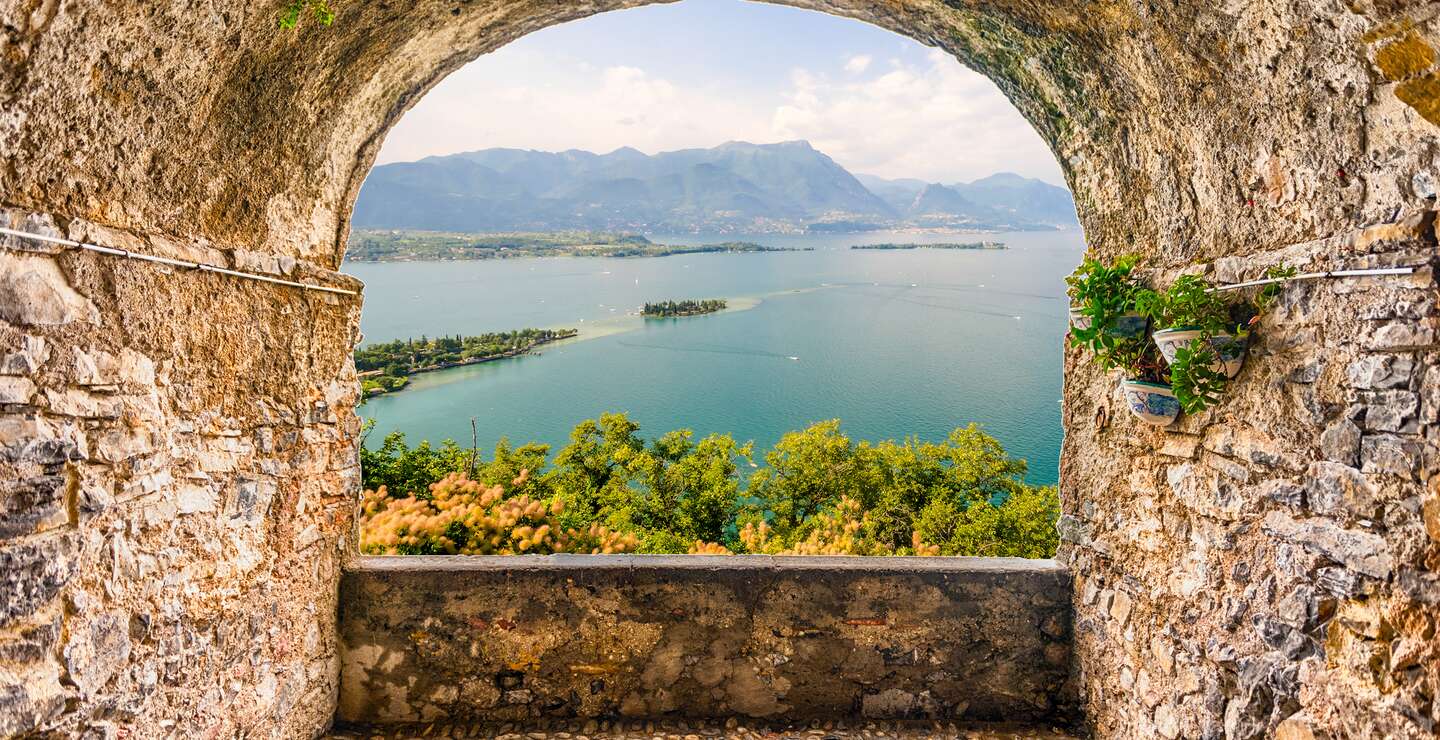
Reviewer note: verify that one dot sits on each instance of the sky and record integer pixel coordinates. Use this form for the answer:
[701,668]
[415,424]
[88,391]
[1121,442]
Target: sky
[699,73]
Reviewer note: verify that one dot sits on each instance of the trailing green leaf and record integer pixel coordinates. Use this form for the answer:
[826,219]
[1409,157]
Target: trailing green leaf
[1103,294]
[1195,376]
[295,9]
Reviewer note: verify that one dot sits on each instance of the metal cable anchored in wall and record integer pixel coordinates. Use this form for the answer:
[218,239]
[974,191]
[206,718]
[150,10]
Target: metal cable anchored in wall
[1317,276]
[127,254]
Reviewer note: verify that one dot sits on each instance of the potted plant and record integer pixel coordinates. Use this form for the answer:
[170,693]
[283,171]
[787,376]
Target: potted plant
[1145,384]
[1203,336]
[1102,303]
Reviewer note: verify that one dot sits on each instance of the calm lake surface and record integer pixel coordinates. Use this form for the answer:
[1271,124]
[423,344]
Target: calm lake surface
[893,343]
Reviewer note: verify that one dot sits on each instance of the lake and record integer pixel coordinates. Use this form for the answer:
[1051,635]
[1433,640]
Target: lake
[893,343]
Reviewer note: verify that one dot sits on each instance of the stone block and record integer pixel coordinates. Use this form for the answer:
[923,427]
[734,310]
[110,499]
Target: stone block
[34,292]
[1342,582]
[107,369]
[1340,491]
[30,644]
[1401,335]
[1389,454]
[1166,723]
[83,404]
[32,505]
[1180,445]
[250,500]
[1430,394]
[97,651]
[1391,411]
[195,499]
[26,705]
[1120,606]
[16,389]
[1364,552]
[1381,371]
[1281,492]
[32,573]
[1340,442]
[28,360]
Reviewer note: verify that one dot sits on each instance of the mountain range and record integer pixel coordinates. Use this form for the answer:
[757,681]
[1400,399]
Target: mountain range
[736,186]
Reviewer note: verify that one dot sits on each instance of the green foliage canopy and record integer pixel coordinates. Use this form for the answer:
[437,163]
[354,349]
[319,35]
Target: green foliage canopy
[676,493]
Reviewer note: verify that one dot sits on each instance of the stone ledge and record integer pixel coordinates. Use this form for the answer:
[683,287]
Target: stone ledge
[766,563]
[519,639]
[682,730]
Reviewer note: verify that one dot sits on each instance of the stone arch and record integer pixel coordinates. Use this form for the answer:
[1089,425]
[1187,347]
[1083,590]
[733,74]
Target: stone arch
[181,446]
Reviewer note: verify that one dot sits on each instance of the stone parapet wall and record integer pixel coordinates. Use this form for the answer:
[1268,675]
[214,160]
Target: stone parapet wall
[464,639]
[1272,564]
[177,454]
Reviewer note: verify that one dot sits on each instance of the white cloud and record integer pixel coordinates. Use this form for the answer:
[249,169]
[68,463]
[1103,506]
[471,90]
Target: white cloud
[936,121]
[932,119]
[536,101]
[857,64]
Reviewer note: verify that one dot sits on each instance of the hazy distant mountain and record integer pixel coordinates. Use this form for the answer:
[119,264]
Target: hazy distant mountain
[1000,197]
[733,187]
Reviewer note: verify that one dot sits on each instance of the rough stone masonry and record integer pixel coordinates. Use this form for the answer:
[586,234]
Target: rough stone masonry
[177,450]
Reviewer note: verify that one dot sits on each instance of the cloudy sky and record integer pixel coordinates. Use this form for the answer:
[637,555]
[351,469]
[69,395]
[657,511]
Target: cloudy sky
[702,72]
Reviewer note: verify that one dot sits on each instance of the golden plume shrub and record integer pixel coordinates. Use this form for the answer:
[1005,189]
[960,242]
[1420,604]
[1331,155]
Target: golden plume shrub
[463,517]
[841,530]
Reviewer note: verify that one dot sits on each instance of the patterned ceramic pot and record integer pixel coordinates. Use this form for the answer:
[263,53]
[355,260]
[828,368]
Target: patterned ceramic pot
[1128,326]
[1229,349]
[1125,326]
[1153,403]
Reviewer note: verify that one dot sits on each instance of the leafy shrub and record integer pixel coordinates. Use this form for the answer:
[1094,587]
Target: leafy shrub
[818,493]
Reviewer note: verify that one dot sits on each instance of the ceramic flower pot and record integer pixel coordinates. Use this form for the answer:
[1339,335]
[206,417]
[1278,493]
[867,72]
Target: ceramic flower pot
[1128,326]
[1229,349]
[1152,403]
[1125,326]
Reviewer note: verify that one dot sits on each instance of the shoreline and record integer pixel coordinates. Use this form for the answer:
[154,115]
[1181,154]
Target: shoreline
[623,324]
[462,363]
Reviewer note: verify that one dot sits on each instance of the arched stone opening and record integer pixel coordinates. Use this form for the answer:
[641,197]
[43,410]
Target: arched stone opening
[182,447]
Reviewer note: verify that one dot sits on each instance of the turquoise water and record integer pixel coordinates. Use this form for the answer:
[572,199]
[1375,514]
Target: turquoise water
[895,343]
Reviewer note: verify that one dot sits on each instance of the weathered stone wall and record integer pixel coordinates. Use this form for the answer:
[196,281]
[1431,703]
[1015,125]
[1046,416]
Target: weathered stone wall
[510,639]
[1270,565]
[1190,131]
[177,453]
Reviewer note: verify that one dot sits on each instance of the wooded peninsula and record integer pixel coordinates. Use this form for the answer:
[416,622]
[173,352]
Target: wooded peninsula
[942,245]
[387,366]
[670,309]
[409,246]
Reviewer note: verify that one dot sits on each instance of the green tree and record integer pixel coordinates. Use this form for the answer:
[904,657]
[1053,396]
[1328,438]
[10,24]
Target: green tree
[808,471]
[405,470]
[592,470]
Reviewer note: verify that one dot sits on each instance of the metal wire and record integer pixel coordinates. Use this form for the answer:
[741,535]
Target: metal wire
[1317,276]
[127,254]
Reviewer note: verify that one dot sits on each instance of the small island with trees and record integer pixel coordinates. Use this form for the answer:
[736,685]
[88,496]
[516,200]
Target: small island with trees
[939,245]
[672,309]
[387,366]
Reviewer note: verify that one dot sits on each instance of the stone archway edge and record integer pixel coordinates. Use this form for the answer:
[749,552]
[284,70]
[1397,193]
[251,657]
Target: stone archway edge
[127,254]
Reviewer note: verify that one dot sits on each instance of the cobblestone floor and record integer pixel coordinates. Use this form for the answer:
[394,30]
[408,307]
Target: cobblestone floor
[694,730]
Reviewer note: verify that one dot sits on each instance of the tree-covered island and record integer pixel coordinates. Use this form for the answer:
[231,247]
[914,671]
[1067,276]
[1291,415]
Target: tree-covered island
[408,246]
[939,245]
[670,309]
[387,366]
